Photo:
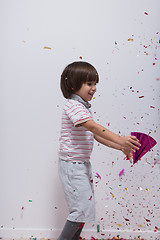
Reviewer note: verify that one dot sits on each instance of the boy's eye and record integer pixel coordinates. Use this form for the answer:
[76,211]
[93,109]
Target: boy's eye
[90,84]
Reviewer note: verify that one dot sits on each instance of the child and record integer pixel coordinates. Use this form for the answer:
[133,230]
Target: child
[78,85]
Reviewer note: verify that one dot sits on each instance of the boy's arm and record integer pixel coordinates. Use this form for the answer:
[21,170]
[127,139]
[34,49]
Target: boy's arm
[107,143]
[98,130]
[127,151]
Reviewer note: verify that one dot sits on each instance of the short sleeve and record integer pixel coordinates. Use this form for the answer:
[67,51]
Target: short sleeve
[77,112]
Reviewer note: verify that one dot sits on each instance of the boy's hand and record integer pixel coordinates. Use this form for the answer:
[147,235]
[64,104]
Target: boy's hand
[128,151]
[130,141]
[130,145]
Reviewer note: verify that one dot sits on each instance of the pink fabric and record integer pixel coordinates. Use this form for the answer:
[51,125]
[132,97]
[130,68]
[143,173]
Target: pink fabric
[146,141]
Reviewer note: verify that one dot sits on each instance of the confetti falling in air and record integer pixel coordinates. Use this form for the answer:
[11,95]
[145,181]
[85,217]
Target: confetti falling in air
[126,219]
[97,175]
[121,172]
[98,228]
[145,13]
[130,40]
[49,48]
[90,198]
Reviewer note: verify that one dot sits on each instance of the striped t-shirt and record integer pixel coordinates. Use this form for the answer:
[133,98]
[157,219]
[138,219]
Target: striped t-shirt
[76,142]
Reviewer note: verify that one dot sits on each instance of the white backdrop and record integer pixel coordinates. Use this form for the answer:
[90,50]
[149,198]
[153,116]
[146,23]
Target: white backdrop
[38,39]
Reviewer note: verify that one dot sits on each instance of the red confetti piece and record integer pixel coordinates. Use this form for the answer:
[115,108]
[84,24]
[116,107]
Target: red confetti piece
[80,57]
[147,220]
[141,97]
[90,198]
[152,107]
[126,219]
[154,64]
[22,208]
[145,13]
[157,228]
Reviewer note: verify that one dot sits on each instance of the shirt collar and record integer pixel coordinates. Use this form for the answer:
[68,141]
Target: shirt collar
[79,99]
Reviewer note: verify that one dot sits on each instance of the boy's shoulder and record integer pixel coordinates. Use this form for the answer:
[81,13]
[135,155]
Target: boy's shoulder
[72,102]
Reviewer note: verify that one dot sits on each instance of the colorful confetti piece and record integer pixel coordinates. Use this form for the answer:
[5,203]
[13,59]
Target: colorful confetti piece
[47,48]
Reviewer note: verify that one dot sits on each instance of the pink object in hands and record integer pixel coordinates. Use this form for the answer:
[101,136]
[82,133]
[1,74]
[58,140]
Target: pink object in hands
[146,141]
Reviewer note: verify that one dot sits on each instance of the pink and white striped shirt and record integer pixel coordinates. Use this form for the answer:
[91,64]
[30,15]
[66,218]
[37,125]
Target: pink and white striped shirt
[76,142]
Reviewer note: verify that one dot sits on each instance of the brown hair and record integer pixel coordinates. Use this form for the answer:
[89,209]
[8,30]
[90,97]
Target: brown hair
[74,75]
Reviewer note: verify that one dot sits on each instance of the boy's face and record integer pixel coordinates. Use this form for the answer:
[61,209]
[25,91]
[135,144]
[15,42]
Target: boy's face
[87,91]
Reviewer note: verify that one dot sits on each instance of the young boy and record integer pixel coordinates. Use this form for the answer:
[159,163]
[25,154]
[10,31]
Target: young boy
[78,131]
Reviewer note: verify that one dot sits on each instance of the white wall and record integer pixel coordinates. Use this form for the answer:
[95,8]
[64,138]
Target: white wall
[31,103]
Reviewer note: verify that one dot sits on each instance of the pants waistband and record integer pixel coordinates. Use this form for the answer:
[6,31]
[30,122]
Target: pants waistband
[77,162]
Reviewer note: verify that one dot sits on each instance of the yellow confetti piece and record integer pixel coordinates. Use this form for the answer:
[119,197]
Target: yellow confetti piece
[47,48]
[147,189]
[139,225]
[126,189]
[119,225]
[130,39]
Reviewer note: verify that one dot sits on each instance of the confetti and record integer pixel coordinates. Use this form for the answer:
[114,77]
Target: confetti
[98,175]
[157,228]
[98,228]
[121,172]
[112,194]
[130,39]
[145,13]
[90,198]
[47,48]
[119,225]
[147,220]
[141,97]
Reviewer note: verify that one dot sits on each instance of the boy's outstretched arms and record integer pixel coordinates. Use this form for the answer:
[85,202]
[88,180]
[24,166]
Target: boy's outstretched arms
[127,144]
[127,151]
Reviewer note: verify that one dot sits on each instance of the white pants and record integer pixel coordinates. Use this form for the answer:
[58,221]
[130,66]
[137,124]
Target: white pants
[77,183]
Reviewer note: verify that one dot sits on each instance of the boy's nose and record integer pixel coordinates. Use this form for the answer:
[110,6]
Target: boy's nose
[94,88]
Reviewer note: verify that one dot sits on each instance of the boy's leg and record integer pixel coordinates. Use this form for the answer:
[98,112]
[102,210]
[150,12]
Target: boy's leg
[77,234]
[70,229]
